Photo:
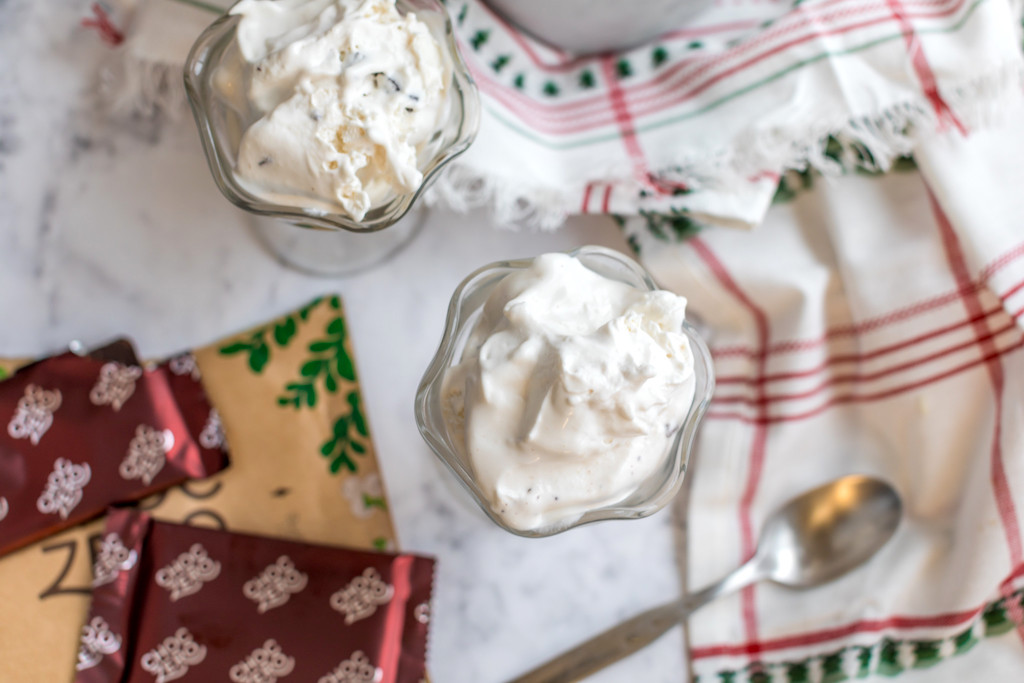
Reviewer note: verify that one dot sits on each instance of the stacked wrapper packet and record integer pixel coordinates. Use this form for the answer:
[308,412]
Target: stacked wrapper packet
[303,468]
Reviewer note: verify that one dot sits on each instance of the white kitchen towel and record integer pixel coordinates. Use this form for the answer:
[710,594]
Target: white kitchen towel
[701,121]
[871,325]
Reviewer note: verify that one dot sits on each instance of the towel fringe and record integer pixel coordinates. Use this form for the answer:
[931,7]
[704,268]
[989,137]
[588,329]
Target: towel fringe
[872,142]
[461,188]
[131,85]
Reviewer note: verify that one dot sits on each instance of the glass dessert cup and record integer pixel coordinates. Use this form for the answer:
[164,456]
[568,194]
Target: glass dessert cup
[465,307]
[350,245]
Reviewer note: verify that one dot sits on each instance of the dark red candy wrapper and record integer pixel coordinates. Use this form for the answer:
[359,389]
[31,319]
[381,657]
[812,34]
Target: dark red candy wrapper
[174,602]
[78,433]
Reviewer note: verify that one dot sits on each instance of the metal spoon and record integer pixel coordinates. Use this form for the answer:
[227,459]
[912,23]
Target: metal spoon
[813,539]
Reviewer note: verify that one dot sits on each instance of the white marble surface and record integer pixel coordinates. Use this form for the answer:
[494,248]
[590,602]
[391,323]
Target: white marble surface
[111,227]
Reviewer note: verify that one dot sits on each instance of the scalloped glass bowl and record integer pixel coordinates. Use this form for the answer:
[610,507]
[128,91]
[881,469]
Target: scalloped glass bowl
[221,126]
[463,311]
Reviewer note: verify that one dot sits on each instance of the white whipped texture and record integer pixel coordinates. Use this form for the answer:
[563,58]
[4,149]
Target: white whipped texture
[344,92]
[569,392]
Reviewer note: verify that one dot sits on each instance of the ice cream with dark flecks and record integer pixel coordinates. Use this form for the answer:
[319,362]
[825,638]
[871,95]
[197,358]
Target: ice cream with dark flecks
[569,392]
[344,94]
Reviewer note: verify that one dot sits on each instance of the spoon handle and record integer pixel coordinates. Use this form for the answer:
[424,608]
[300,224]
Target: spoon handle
[633,635]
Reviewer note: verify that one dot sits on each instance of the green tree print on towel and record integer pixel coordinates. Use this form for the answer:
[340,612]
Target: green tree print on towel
[888,657]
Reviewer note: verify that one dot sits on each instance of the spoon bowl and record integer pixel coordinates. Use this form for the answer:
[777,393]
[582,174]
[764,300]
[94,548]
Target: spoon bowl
[827,531]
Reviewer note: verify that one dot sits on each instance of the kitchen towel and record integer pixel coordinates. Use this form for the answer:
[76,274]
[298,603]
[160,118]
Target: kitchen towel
[700,122]
[871,324]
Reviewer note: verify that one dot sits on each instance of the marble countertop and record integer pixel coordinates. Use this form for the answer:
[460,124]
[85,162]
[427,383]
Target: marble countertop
[115,227]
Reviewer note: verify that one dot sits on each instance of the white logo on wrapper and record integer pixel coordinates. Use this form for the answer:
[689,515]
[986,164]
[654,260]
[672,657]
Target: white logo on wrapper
[422,613]
[112,559]
[171,659]
[185,364]
[147,453]
[355,669]
[212,435]
[188,573]
[265,665]
[64,488]
[115,385]
[34,414]
[97,640]
[275,585]
[4,507]
[361,597]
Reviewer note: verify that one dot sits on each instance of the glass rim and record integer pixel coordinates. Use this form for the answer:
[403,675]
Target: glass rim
[466,106]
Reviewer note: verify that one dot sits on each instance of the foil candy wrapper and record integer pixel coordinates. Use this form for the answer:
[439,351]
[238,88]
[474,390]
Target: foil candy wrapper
[81,432]
[177,602]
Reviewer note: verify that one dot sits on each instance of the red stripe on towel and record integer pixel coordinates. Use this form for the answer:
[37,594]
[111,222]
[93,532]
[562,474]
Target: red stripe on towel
[759,440]
[1000,484]
[924,70]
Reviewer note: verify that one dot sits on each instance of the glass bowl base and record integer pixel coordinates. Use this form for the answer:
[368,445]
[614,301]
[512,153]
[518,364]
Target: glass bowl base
[333,253]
